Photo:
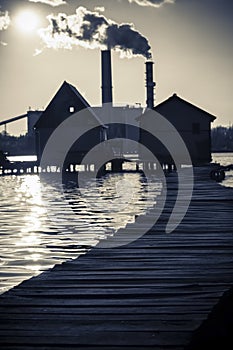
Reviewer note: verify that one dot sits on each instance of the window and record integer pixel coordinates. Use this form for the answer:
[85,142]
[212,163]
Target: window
[71,109]
[196,128]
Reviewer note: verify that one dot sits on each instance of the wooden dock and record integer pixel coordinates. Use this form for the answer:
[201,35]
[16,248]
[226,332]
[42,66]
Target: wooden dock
[150,294]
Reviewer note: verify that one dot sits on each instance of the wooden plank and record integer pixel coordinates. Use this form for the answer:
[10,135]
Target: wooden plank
[116,325]
[125,338]
[151,293]
[165,319]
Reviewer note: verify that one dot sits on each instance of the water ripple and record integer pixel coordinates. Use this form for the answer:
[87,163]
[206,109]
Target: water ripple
[43,225]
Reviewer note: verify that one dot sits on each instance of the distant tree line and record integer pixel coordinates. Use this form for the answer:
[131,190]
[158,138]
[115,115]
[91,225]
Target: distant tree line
[222,141]
[17,145]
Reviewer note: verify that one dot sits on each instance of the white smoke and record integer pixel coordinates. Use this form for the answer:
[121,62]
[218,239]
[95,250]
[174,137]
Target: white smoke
[50,2]
[37,52]
[4,20]
[153,3]
[93,30]
[99,8]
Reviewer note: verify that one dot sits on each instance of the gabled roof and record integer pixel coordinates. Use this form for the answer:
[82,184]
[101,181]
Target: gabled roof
[77,93]
[66,91]
[176,101]
[73,88]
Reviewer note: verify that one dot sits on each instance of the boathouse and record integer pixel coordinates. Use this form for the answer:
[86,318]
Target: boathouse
[66,102]
[192,123]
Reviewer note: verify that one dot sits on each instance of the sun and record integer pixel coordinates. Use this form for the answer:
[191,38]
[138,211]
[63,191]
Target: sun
[27,21]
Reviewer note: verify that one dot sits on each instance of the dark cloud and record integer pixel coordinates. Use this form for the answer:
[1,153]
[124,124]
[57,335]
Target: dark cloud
[125,38]
[92,24]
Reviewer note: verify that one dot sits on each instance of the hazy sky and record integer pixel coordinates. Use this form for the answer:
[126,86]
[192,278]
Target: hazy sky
[191,43]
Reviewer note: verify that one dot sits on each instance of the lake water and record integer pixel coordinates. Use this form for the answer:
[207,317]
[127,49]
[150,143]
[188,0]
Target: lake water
[225,159]
[42,225]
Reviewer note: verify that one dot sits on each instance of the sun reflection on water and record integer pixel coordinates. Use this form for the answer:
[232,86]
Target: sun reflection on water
[37,220]
[29,192]
[30,189]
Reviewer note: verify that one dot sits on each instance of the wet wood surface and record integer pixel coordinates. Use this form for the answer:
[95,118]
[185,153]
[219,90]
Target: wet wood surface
[151,293]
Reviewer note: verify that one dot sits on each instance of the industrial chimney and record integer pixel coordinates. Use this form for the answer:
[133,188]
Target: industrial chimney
[106,76]
[150,84]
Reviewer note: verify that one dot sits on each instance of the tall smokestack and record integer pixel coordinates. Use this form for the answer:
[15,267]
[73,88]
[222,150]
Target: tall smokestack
[149,85]
[106,76]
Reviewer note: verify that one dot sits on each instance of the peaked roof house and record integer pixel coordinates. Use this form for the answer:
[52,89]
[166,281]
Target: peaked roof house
[192,123]
[66,102]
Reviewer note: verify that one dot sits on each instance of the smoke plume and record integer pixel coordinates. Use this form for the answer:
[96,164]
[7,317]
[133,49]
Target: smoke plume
[50,2]
[100,8]
[4,20]
[153,3]
[93,30]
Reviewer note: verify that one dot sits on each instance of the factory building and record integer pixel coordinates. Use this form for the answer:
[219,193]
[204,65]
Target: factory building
[190,121]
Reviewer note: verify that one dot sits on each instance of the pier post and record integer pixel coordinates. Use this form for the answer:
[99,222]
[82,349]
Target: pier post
[117,165]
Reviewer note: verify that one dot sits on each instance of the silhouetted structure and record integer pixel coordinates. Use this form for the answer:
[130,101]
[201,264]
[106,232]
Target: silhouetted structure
[66,102]
[32,117]
[119,116]
[3,159]
[150,84]
[106,76]
[192,123]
